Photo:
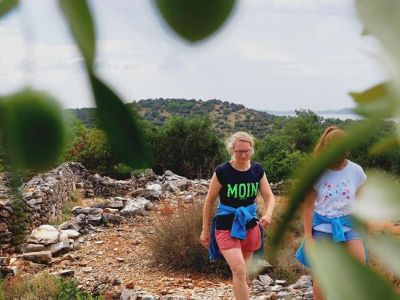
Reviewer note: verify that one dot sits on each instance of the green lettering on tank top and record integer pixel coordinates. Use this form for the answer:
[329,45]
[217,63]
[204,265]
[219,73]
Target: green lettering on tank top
[232,191]
[242,190]
[254,189]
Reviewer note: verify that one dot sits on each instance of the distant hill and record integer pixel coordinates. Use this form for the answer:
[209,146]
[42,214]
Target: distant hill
[86,115]
[228,117]
[344,113]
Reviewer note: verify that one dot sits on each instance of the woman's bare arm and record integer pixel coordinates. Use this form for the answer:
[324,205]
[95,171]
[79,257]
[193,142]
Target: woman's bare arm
[212,195]
[269,200]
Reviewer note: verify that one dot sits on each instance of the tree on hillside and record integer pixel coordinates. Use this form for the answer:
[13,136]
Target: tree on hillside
[279,156]
[388,161]
[304,129]
[93,151]
[188,147]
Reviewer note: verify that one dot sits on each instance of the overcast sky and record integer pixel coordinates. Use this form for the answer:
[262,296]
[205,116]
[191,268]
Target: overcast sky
[270,55]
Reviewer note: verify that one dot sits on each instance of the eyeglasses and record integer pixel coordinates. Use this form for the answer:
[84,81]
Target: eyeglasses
[240,152]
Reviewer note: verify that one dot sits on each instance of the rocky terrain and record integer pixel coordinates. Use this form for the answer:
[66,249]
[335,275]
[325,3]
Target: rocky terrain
[105,245]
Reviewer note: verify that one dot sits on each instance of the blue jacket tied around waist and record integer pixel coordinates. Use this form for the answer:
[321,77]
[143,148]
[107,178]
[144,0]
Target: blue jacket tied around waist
[243,215]
[337,233]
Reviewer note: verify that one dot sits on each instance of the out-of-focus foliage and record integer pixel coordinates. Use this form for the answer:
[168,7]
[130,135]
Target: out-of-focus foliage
[195,20]
[6,6]
[33,129]
[78,15]
[358,282]
[340,275]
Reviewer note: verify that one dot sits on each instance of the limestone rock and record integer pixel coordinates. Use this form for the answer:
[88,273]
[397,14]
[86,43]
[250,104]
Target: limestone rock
[135,206]
[45,235]
[38,257]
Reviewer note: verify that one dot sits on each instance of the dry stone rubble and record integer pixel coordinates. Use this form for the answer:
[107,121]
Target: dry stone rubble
[53,247]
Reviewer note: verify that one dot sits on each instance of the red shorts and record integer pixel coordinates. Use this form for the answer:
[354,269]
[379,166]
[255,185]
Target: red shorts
[250,244]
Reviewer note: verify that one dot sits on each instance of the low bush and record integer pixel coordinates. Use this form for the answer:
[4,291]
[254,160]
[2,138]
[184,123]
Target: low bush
[176,244]
[41,286]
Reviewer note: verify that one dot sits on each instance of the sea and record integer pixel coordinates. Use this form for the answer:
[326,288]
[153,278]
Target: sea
[333,115]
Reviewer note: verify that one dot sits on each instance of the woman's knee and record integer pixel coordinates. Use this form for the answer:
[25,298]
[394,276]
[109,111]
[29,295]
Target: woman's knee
[239,269]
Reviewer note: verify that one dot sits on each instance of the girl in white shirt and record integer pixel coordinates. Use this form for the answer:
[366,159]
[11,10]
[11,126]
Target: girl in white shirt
[330,201]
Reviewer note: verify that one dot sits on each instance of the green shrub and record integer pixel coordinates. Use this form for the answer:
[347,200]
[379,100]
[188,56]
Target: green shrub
[122,171]
[279,157]
[188,147]
[41,286]
[69,290]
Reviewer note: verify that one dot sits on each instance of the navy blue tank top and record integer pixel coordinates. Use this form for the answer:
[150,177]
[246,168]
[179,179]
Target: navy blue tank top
[239,188]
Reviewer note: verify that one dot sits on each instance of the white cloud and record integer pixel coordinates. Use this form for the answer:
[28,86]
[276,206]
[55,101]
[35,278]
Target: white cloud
[327,7]
[261,52]
[273,54]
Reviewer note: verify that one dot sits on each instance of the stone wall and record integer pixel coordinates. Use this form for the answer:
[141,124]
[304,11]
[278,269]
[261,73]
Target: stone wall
[98,186]
[45,196]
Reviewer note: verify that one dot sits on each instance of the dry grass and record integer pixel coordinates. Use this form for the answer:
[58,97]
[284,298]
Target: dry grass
[44,286]
[285,265]
[175,242]
[41,286]
[75,199]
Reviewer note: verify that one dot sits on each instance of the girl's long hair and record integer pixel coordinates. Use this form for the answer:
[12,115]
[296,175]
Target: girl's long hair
[330,134]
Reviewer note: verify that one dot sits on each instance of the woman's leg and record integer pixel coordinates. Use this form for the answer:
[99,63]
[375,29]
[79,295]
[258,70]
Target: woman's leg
[250,244]
[247,259]
[356,248]
[234,258]
[317,294]
[247,256]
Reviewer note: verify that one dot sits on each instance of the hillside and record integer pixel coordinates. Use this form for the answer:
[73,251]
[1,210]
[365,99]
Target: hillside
[227,117]
[86,115]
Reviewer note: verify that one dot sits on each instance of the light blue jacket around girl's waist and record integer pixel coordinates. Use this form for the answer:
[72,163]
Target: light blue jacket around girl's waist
[338,235]
[338,225]
[242,215]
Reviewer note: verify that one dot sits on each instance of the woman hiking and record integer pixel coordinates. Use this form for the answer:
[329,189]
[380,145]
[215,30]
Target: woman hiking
[235,232]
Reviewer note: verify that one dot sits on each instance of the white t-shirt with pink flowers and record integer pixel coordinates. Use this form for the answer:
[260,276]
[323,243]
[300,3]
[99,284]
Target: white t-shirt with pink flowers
[336,192]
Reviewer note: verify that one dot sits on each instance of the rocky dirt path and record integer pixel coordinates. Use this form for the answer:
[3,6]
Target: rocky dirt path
[117,261]
[115,257]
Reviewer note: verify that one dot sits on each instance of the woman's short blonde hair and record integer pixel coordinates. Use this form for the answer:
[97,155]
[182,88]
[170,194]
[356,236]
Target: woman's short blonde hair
[239,136]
